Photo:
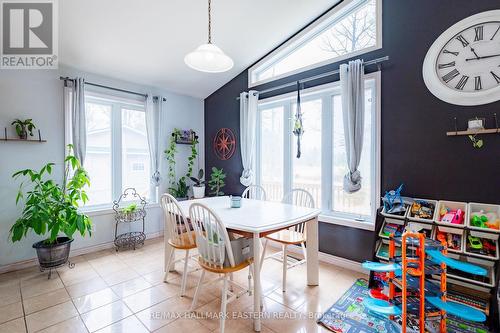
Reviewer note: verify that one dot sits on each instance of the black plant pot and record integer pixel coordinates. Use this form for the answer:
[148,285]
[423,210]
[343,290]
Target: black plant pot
[53,255]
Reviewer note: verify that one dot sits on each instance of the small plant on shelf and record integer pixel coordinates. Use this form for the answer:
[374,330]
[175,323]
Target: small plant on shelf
[180,191]
[198,185]
[129,210]
[216,182]
[23,127]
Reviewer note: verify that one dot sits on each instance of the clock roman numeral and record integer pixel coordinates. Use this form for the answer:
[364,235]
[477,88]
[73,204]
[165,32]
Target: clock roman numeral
[479,33]
[451,75]
[450,64]
[477,83]
[495,33]
[496,77]
[463,81]
[462,40]
[451,52]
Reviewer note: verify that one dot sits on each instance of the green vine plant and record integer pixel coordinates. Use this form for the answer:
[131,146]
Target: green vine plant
[192,158]
[170,154]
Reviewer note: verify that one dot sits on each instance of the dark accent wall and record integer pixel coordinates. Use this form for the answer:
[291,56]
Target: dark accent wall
[415,148]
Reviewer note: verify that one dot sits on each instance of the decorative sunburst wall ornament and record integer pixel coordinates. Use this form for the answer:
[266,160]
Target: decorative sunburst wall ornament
[224,144]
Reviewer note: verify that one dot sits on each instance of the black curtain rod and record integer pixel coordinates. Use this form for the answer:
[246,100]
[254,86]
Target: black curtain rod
[111,88]
[377,62]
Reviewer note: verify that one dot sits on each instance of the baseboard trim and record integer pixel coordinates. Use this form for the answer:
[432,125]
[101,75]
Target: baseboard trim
[326,258]
[74,253]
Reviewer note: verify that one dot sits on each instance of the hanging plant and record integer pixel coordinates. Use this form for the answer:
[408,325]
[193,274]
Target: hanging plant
[298,128]
[192,158]
[170,154]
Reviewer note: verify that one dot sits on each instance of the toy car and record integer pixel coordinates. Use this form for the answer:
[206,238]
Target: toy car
[475,243]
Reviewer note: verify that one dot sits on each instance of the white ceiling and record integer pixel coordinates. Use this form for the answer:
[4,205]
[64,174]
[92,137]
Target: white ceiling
[146,41]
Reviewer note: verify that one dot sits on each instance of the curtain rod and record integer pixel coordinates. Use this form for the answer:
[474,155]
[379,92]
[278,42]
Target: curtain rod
[110,88]
[319,76]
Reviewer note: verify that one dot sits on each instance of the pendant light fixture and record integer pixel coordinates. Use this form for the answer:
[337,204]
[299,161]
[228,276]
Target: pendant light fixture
[208,57]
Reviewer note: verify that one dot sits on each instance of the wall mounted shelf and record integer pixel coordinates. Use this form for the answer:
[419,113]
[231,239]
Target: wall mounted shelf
[474,132]
[22,140]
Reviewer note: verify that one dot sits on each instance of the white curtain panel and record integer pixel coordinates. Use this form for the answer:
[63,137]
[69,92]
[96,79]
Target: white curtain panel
[248,126]
[74,104]
[353,111]
[154,107]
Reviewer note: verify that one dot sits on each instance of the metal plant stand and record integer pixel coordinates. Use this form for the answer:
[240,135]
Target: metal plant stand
[131,239]
[44,269]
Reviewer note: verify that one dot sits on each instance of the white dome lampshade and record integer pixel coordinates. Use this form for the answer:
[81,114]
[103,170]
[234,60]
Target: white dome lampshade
[209,58]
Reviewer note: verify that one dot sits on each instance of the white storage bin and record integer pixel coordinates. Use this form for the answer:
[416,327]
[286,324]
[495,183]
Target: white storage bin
[421,227]
[485,281]
[395,216]
[453,206]
[492,212]
[383,250]
[391,225]
[431,219]
[453,236]
[489,244]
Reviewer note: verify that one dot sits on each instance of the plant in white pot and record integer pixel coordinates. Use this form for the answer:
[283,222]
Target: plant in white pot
[199,185]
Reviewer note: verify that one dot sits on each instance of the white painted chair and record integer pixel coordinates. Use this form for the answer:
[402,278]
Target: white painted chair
[178,236]
[295,235]
[216,255]
[256,192]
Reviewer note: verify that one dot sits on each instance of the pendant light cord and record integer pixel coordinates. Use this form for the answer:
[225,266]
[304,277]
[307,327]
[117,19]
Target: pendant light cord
[209,21]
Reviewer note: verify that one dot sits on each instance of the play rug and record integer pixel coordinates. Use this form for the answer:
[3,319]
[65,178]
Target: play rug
[348,315]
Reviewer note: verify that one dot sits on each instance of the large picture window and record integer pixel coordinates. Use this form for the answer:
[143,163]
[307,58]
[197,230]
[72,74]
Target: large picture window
[117,154]
[322,165]
[351,28]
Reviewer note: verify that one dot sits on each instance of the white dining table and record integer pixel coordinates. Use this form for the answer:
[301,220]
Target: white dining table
[257,219]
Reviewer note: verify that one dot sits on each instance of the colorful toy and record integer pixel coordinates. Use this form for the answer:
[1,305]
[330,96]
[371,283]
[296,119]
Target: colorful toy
[475,243]
[485,220]
[422,209]
[453,216]
[393,202]
[453,241]
[409,273]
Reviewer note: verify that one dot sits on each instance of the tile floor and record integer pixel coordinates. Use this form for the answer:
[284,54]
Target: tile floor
[124,292]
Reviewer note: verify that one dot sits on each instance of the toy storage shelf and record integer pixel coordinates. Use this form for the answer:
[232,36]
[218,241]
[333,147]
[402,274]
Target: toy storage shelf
[433,225]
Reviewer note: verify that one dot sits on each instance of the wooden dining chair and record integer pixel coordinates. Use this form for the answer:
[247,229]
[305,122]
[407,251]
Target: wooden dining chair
[256,192]
[216,256]
[295,235]
[179,235]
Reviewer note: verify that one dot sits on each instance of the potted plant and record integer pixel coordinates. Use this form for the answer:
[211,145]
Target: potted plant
[199,185]
[180,191]
[216,182]
[51,209]
[23,127]
[129,211]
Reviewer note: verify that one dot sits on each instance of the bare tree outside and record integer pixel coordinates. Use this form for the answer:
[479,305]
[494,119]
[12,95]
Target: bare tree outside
[354,32]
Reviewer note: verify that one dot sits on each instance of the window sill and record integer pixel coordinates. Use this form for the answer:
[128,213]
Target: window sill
[367,225]
[99,211]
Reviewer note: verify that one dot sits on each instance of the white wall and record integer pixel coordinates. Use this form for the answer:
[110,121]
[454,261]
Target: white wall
[37,94]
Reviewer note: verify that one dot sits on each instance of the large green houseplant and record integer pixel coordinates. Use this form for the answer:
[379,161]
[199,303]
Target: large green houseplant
[51,209]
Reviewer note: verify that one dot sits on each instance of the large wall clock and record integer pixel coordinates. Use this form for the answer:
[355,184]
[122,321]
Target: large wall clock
[462,66]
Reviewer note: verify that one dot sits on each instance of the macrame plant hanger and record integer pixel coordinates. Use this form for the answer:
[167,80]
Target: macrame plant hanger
[298,128]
